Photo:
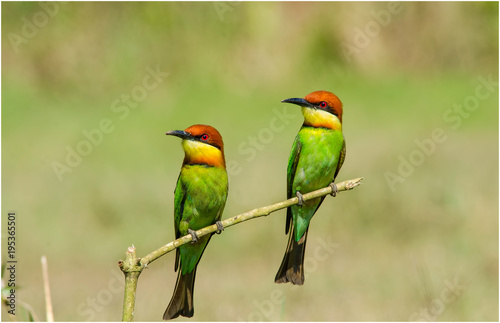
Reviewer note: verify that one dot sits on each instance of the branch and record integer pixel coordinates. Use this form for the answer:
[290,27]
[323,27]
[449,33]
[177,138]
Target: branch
[255,213]
[132,269]
[133,266]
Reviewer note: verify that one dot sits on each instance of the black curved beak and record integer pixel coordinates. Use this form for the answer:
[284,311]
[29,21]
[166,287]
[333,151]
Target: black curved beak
[180,133]
[299,101]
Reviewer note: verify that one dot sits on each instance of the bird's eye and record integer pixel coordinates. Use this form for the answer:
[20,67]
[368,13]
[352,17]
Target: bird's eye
[204,137]
[323,104]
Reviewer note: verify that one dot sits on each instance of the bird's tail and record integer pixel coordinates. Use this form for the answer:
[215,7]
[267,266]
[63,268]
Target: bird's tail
[292,266]
[182,300]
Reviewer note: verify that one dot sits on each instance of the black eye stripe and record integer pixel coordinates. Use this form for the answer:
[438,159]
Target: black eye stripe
[327,108]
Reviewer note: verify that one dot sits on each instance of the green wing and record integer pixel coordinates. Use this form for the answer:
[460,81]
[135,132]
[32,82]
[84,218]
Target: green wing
[179,200]
[292,167]
[341,159]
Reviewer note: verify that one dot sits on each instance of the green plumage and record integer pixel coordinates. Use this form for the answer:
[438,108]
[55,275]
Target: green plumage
[316,158]
[200,197]
[313,164]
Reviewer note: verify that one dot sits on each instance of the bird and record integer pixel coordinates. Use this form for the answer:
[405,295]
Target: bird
[200,197]
[317,155]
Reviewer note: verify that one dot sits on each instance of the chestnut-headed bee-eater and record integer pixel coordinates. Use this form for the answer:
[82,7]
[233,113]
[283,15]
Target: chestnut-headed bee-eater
[200,197]
[317,155]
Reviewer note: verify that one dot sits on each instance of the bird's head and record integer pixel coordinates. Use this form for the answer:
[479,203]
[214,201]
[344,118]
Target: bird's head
[202,145]
[320,109]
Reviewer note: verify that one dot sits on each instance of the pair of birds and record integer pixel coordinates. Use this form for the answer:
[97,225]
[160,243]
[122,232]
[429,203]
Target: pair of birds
[317,155]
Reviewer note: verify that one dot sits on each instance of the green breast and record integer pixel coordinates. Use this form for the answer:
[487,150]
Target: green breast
[319,157]
[204,193]
[200,197]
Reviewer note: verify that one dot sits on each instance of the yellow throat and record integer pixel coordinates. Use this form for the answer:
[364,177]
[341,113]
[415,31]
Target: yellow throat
[321,119]
[202,153]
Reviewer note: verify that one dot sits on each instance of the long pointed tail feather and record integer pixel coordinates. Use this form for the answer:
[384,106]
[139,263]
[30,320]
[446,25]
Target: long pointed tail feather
[292,266]
[182,299]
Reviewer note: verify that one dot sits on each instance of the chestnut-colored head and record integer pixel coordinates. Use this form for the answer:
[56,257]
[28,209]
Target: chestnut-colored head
[202,145]
[320,109]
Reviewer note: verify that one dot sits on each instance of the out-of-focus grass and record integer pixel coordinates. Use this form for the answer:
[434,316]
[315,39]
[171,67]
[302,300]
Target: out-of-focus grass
[396,250]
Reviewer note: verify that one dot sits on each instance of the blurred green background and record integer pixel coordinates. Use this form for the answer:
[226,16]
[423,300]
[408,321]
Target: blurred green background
[417,241]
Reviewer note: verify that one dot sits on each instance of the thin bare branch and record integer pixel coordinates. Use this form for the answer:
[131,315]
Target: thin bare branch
[255,213]
[133,266]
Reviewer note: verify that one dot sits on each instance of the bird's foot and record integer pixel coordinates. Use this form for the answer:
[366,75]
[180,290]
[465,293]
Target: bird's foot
[300,197]
[335,190]
[194,235]
[220,227]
